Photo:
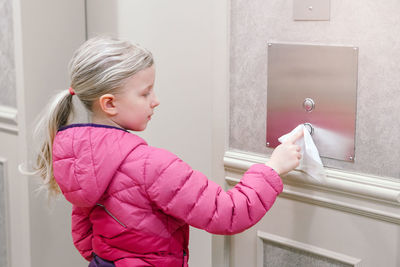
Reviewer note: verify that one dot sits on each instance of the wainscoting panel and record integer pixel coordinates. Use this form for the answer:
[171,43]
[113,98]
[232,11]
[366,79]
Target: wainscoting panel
[7,64]
[277,252]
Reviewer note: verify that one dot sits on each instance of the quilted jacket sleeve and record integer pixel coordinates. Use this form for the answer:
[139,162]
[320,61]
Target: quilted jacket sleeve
[82,231]
[187,194]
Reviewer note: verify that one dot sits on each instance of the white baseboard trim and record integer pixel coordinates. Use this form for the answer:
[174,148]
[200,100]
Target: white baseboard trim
[285,242]
[366,195]
[8,119]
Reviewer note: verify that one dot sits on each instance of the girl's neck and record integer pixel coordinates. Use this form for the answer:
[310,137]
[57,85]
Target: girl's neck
[96,119]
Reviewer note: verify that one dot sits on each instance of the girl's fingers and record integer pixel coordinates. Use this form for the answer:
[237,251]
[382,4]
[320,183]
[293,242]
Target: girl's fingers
[292,139]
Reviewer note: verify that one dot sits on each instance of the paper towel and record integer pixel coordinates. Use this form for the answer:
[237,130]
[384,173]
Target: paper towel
[310,162]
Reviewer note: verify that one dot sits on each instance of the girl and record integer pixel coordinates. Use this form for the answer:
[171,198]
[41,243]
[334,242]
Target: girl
[133,203]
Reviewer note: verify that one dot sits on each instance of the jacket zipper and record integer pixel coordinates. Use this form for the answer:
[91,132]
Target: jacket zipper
[109,213]
[184,255]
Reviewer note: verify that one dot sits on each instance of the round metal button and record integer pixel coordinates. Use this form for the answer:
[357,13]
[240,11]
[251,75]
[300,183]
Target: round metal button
[308,104]
[309,127]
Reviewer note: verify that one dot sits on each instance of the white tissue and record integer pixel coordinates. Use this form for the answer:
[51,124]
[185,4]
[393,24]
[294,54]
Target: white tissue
[310,162]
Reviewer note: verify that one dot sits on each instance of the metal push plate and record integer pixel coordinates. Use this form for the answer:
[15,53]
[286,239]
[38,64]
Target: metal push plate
[317,85]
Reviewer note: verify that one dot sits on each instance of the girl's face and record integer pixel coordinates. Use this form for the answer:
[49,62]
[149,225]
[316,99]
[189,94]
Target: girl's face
[136,101]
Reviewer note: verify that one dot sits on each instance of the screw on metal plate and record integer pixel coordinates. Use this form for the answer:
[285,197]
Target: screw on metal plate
[310,8]
[351,158]
[269,44]
[267,143]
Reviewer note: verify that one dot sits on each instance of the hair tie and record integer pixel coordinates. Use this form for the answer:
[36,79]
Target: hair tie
[71,91]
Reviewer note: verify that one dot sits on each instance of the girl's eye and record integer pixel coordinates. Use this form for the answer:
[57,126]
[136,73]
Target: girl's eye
[147,92]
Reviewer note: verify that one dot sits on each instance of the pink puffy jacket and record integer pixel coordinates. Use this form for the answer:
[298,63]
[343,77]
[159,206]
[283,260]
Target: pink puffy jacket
[132,203]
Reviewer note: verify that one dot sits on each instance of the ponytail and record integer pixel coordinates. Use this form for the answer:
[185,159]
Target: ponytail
[54,116]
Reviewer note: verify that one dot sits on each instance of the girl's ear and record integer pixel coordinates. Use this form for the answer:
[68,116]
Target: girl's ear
[107,104]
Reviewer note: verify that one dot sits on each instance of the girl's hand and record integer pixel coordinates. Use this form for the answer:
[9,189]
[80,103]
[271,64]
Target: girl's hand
[286,156]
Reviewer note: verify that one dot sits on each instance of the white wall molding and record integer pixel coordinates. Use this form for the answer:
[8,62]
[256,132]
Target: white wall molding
[370,196]
[270,238]
[3,161]
[15,147]
[8,119]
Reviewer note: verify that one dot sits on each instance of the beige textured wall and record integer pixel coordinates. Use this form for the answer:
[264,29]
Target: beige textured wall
[373,26]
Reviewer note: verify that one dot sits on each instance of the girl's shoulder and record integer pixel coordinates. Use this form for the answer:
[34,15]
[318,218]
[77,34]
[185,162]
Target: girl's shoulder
[118,142]
[87,157]
[101,143]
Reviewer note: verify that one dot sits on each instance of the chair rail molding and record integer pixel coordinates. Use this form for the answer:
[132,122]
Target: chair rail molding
[371,196]
[8,119]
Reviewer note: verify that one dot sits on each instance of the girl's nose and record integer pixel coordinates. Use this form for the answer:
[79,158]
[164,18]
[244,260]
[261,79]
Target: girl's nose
[155,102]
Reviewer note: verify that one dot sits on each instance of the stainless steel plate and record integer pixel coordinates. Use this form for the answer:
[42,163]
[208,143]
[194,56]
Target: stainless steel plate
[317,85]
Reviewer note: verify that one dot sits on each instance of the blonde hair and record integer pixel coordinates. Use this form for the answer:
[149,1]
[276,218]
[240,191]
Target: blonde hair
[99,66]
